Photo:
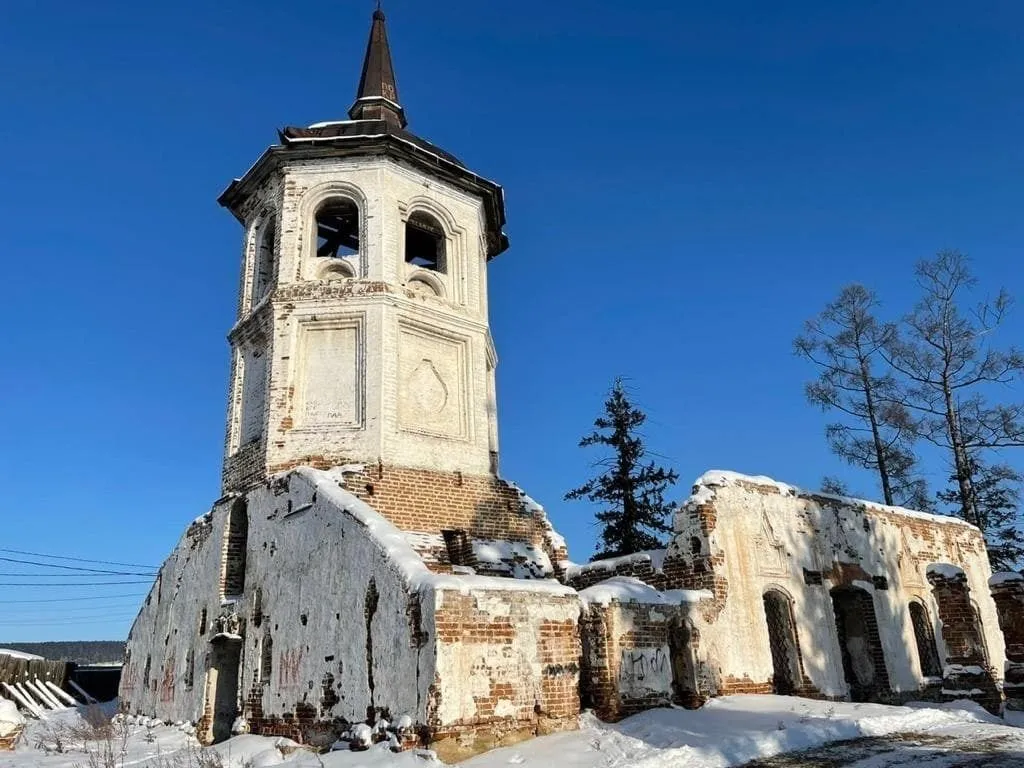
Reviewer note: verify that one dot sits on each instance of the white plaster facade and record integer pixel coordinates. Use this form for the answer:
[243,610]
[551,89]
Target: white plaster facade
[766,534]
[338,647]
[394,364]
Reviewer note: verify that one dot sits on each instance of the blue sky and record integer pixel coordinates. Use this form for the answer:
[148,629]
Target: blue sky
[686,183]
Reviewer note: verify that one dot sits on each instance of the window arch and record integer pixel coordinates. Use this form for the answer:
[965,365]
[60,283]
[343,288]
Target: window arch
[927,653]
[266,659]
[236,538]
[426,243]
[782,642]
[265,262]
[337,228]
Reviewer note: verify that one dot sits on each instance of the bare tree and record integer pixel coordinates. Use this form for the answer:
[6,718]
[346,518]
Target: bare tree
[947,358]
[846,341]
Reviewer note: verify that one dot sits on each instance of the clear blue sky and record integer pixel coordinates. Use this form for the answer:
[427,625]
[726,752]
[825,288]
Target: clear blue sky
[686,183]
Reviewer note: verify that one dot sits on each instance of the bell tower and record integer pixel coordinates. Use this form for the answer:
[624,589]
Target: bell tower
[362,335]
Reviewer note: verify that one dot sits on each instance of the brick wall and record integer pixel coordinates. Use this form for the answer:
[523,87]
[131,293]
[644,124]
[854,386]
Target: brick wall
[426,501]
[626,665]
[967,669]
[1009,599]
[508,669]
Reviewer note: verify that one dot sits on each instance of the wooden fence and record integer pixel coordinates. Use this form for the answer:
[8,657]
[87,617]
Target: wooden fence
[16,670]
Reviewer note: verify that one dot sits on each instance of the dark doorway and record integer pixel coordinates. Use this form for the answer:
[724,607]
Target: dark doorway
[222,688]
[684,665]
[927,654]
[778,612]
[863,659]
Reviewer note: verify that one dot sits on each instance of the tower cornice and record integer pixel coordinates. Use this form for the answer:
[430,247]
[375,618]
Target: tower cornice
[388,145]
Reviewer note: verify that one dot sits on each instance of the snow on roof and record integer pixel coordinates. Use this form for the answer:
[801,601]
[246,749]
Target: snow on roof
[656,557]
[520,559]
[399,551]
[1004,577]
[19,655]
[702,493]
[627,589]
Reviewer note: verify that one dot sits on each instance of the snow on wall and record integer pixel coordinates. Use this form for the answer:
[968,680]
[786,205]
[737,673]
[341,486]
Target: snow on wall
[770,535]
[339,614]
[311,562]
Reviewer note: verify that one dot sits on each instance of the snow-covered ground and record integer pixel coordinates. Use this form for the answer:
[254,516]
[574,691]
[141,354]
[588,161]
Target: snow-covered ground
[725,732]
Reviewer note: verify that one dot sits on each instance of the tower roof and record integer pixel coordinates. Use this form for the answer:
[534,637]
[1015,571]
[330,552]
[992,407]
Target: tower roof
[377,126]
[377,96]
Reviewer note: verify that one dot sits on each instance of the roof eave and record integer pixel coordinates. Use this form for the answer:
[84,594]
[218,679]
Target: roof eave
[491,192]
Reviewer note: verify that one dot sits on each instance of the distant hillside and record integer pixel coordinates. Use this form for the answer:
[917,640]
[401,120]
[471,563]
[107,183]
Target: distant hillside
[78,651]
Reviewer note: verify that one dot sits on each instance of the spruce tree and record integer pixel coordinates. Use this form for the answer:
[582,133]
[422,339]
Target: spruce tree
[630,490]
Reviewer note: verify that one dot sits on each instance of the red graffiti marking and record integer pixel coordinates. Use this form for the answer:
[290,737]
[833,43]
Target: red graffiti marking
[288,669]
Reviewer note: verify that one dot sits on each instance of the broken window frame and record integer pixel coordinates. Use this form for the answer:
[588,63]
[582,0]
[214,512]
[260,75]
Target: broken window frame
[264,269]
[426,243]
[337,228]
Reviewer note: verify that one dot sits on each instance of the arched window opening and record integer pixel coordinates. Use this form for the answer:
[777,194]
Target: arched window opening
[337,229]
[425,243]
[257,607]
[782,642]
[235,543]
[190,669]
[266,659]
[264,262]
[859,644]
[695,545]
[927,653]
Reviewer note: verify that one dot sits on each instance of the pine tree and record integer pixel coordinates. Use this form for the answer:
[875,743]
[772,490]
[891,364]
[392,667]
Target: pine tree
[997,497]
[630,490]
[846,341]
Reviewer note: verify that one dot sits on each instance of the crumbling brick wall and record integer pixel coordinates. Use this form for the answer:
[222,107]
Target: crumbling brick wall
[1008,593]
[626,663]
[507,667]
[968,672]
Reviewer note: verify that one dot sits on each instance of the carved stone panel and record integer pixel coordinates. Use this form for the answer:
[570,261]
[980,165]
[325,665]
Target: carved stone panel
[432,376]
[330,376]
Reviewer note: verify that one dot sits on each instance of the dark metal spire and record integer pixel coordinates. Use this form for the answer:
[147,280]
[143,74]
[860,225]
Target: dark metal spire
[377,98]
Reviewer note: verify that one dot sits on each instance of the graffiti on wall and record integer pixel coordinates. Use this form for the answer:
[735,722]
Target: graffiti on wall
[643,670]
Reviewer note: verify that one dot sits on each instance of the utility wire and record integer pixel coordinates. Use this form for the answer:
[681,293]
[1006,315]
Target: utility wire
[78,559]
[23,575]
[138,595]
[58,622]
[73,567]
[68,583]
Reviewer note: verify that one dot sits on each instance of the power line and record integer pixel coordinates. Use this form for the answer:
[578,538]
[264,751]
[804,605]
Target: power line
[71,599]
[23,575]
[53,622]
[72,567]
[69,583]
[78,559]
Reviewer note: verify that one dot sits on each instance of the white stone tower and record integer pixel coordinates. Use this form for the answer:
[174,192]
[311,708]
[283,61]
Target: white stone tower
[362,334]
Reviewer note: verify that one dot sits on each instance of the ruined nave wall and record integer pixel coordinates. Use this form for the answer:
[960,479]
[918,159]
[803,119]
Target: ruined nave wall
[324,622]
[743,536]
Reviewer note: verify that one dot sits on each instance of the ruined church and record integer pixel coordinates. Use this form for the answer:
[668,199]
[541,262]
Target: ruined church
[366,563]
